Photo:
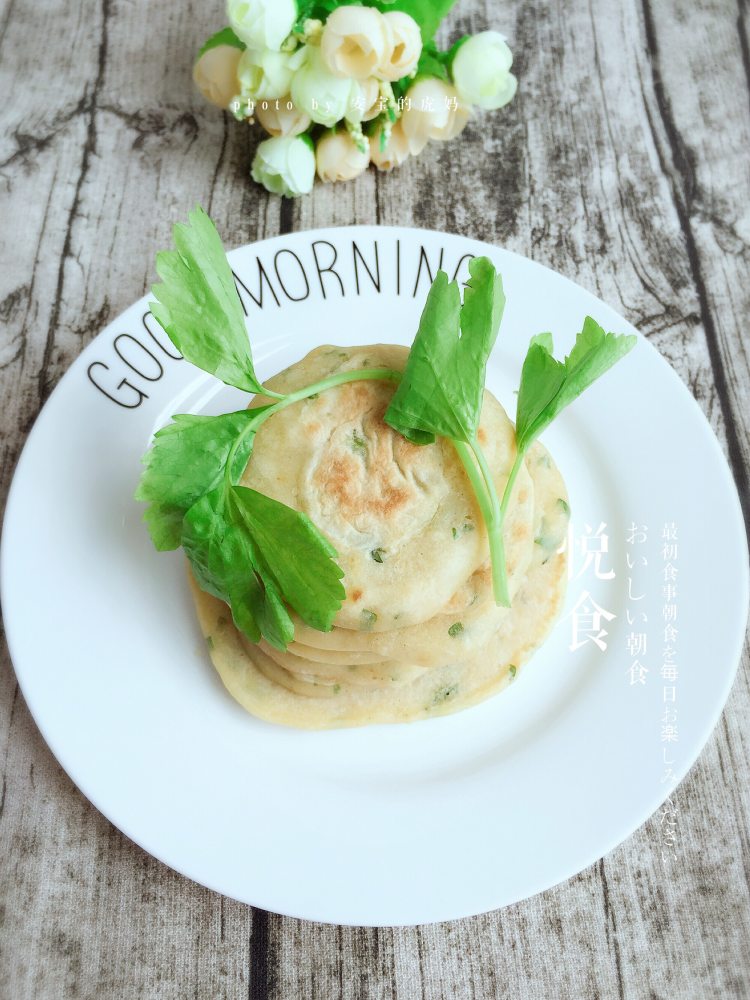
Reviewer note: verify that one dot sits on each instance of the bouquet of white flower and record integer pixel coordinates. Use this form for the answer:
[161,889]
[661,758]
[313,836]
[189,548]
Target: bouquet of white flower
[338,86]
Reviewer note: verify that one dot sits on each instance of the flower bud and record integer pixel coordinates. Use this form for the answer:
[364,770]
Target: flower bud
[396,149]
[285,165]
[215,74]
[481,71]
[432,111]
[338,158]
[355,42]
[262,24]
[365,104]
[326,98]
[406,48]
[370,94]
[281,117]
[264,73]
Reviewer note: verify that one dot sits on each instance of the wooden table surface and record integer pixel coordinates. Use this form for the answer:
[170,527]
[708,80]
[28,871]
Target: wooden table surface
[624,163]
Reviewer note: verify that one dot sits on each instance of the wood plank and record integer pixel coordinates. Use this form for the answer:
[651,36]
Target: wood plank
[702,133]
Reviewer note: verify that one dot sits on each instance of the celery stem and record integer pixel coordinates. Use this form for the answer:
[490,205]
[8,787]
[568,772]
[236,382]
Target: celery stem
[478,471]
[497,541]
[511,480]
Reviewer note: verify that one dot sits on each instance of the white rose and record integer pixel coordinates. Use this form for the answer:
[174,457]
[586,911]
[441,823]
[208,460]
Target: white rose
[325,97]
[262,24]
[338,157]
[285,165]
[265,73]
[215,74]
[281,117]
[355,42]
[481,71]
[432,110]
[406,49]
[395,152]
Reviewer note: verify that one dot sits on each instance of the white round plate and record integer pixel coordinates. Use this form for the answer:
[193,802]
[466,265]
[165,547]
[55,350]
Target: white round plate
[381,825]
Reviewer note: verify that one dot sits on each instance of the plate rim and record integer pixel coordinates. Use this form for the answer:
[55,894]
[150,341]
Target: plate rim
[27,450]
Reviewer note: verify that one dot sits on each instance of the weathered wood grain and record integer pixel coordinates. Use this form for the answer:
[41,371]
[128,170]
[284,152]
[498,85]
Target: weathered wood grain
[623,164]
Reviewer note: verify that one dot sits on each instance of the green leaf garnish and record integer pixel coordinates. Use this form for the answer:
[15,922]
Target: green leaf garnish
[224,561]
[198,305]
[441,390]
[455,629]
[443,382]
[298,558]
[254,553]
[164,525]
[187,461]
[548,385]
[442,387]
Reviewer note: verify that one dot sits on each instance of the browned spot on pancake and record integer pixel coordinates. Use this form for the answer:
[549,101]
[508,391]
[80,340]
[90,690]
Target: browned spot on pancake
[356,595]
[482,435]
[362,391]
[356,398]
[369,474]
[312,428]
[407,451]
[342,480]
[522,496]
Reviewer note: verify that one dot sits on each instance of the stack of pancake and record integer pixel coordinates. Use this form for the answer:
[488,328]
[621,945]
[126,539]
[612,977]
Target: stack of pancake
[419,633]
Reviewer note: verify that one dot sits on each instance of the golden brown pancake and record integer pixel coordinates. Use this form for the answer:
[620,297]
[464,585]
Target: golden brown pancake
[403,518]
